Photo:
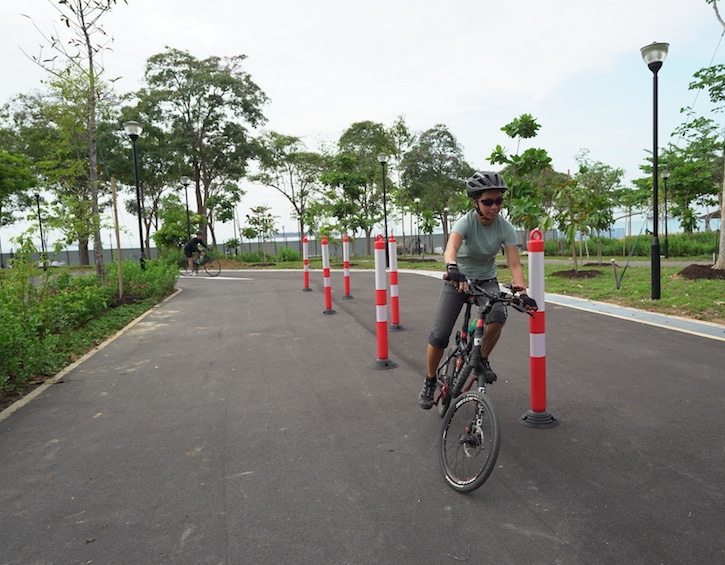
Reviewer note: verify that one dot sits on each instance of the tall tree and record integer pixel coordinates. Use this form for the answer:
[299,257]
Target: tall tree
[291,170]
[355,179]
[50,128]
[435,171]
[206,108]
[80,54]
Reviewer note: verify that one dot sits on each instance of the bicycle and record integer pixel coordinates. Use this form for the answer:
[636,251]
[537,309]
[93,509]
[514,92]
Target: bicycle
[211,265]
[470,436]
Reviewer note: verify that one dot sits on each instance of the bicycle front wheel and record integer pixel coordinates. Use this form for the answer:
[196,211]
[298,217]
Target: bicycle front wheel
[469,441]
[213,267]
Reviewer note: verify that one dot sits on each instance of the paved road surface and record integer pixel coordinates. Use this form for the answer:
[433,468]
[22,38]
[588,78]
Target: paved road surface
[238,424]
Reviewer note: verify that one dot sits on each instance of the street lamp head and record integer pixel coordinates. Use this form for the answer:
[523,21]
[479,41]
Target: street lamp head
[37,196]
[665,174]
[383,157]
[416,200]
[654,55]
[185,180]
[133,129]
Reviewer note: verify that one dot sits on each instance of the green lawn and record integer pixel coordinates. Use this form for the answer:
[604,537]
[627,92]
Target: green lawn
[702,299]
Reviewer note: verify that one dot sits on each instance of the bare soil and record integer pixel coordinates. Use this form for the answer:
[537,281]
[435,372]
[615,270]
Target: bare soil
[692,272]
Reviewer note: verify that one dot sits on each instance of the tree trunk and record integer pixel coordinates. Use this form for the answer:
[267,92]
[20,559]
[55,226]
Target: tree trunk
[83,256]
[720,262]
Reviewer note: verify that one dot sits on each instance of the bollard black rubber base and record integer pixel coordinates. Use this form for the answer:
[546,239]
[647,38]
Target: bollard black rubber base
[329,311]
[381,364]
[308,289]
[397,327]
[347,296]
[543,419]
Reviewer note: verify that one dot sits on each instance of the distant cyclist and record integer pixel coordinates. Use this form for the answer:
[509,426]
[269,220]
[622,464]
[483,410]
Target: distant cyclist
[194,245]
[470,253]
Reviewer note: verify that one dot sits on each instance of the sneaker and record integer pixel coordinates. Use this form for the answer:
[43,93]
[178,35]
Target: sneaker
[425,398]
[485,370]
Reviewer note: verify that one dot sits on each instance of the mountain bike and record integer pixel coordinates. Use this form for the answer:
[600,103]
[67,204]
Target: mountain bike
[211,265]
[471,435]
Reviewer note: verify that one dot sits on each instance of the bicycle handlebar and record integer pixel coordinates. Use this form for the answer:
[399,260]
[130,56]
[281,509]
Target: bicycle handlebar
[509,298]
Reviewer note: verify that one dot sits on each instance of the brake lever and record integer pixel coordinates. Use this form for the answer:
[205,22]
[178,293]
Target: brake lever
[516,303]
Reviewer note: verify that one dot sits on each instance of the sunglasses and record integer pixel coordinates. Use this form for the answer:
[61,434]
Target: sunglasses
[491,201]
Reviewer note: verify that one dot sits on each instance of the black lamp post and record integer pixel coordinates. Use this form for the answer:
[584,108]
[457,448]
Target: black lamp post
[665,176]
[417,225]
[134,129]
[383,159]
[42,240]
[654,55]
[185,182]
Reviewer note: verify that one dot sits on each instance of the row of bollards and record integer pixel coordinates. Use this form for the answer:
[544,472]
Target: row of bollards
[538,416]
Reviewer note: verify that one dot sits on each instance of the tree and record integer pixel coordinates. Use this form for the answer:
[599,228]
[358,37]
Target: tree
[262,223]
[205,107]
[435,171]
[599,183]
[290,169]
[525,174]
[79,53]
[696,169]
[354,180]
[713,79]
[15,178]
[50,129]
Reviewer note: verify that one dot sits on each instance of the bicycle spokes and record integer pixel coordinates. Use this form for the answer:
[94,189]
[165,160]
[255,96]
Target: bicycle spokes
[470,442]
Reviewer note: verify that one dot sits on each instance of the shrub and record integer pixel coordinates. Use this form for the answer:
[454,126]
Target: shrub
[42,315]
[251,257]
[288,255]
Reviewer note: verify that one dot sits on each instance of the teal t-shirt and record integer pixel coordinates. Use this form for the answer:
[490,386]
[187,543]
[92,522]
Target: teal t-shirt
[477,255]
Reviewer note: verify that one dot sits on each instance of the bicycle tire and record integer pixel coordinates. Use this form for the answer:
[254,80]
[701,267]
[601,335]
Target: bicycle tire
[468,451]
[213,267]
[446,374]
[460,381]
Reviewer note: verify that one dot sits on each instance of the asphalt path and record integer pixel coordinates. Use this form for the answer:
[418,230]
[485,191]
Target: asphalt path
[237,423]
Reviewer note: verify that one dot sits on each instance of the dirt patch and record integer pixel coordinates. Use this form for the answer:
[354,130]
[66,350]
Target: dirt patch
[695,272]
[125,300]
[572,274]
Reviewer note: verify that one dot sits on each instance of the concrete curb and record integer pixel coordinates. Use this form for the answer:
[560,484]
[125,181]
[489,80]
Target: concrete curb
[17,405]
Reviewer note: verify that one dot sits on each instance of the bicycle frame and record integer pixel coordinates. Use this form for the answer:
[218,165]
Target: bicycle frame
[466,355]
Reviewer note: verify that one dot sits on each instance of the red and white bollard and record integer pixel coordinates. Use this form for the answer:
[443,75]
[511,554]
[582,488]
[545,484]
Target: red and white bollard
[538,416]
[381,307]
[326,276]
[346,267]
[394,295]
[306,265]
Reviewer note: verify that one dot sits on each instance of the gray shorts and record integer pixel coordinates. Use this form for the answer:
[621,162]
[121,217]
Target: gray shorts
[449,307]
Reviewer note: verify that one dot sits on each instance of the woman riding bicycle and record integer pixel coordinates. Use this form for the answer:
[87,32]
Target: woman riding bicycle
[470,253]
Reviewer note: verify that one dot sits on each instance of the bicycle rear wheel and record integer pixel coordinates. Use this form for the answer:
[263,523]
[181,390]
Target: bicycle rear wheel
[469,442]
[213,267]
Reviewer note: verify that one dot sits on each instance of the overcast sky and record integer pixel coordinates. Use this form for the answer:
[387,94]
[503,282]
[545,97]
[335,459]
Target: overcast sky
[472,65]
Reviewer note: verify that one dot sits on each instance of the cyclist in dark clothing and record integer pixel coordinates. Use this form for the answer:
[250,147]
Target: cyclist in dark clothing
[195,245]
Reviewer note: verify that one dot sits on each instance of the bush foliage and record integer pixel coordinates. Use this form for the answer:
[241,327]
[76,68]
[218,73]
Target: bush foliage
[701,244]
[43,310]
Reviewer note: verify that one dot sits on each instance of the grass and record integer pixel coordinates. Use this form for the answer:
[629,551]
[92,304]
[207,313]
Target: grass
[700,299]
